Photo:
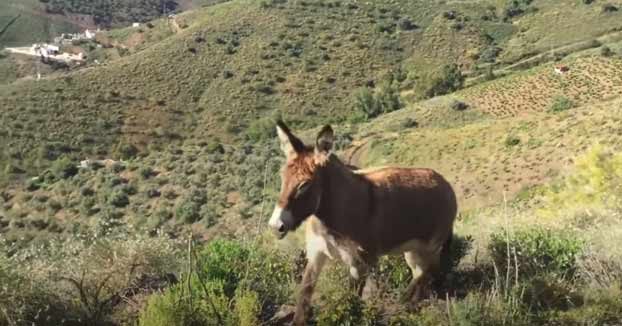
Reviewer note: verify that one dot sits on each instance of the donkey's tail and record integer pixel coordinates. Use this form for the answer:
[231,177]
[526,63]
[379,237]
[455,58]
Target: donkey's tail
[446,252]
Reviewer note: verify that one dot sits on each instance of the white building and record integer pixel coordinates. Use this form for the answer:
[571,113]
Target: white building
[88,34]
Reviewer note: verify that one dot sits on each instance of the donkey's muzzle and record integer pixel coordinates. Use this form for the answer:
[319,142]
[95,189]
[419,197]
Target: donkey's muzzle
[277,222]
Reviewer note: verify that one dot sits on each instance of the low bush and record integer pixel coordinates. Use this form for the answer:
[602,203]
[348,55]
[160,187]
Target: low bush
[536,250]
[225,288]
[64,168]
[608,8]
[458,105]
[261,129]
[146,172]
[342,306]
[384,99]
[81,281]
[188,212]
[126,151]
[511,141]
[118,198]
[446,80]
[605,51]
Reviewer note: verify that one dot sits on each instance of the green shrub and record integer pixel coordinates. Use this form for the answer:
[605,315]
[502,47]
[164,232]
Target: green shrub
[247,308]
[233,284]
[188,303]
[188,212]
[64,168]
[600,306]
[543,293]
[408,123]
[367,103]
[118,198]
[261,129]
[126,151]
[440,82]
[511,141]
[224,261]
[537,250]
[27,301]
[406,24]
[458,105]
[394,272]
[384,99]
[608,8]
[146,172]
[561,103]
[605,51]
[342,306]
[488,309]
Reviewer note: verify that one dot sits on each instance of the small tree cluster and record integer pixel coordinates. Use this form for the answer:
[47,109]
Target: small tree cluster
[444,81]
[384,99]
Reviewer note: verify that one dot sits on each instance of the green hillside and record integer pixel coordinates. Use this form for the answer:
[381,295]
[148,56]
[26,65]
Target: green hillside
[166,225]
[25,22]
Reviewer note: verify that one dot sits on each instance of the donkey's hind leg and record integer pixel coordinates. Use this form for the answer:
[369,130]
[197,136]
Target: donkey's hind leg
[424,265]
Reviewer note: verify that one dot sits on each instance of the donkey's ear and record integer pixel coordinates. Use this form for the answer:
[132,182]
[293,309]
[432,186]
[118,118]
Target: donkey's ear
[290,144]
[325,139]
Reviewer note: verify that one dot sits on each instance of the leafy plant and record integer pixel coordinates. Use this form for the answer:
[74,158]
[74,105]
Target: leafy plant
[443,81]
[384,99]
[188,212]
[64,168]
[536,250]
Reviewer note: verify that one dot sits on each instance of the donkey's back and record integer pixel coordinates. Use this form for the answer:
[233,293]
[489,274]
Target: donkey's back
[409,204]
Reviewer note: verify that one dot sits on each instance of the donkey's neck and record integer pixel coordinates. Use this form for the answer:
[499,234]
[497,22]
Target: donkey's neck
[345,205]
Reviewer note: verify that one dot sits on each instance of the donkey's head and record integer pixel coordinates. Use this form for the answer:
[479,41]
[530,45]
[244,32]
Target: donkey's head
[301,178]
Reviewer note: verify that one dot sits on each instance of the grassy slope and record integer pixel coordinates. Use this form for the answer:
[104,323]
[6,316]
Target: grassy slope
[32,26]
[554,25]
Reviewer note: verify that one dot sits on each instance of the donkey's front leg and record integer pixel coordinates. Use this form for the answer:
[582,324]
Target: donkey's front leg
[316,261]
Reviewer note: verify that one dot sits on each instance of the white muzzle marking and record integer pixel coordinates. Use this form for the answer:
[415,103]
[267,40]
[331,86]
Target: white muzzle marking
[276,220]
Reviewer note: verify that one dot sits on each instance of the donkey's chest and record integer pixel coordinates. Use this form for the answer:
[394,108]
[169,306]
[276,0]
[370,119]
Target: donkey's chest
[319,240]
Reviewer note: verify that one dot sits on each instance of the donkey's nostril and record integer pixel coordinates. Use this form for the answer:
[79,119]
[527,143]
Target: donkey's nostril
[282,228]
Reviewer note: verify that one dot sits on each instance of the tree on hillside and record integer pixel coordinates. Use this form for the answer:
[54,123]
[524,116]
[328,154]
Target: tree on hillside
[444,81]
[384,99]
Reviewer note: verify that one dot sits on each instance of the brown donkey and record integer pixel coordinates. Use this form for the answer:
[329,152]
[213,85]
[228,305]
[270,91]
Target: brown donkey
[356,216]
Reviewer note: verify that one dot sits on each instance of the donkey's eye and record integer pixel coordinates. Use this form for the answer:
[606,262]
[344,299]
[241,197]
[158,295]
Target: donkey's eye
[302,188]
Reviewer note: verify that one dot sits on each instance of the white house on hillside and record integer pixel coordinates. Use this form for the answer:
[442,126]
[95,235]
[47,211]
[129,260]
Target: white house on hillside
[88,34]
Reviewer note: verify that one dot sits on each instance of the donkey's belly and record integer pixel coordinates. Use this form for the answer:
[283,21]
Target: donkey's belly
[416,245]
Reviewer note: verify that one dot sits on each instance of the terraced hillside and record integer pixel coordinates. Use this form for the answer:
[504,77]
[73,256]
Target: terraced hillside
[589,80]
